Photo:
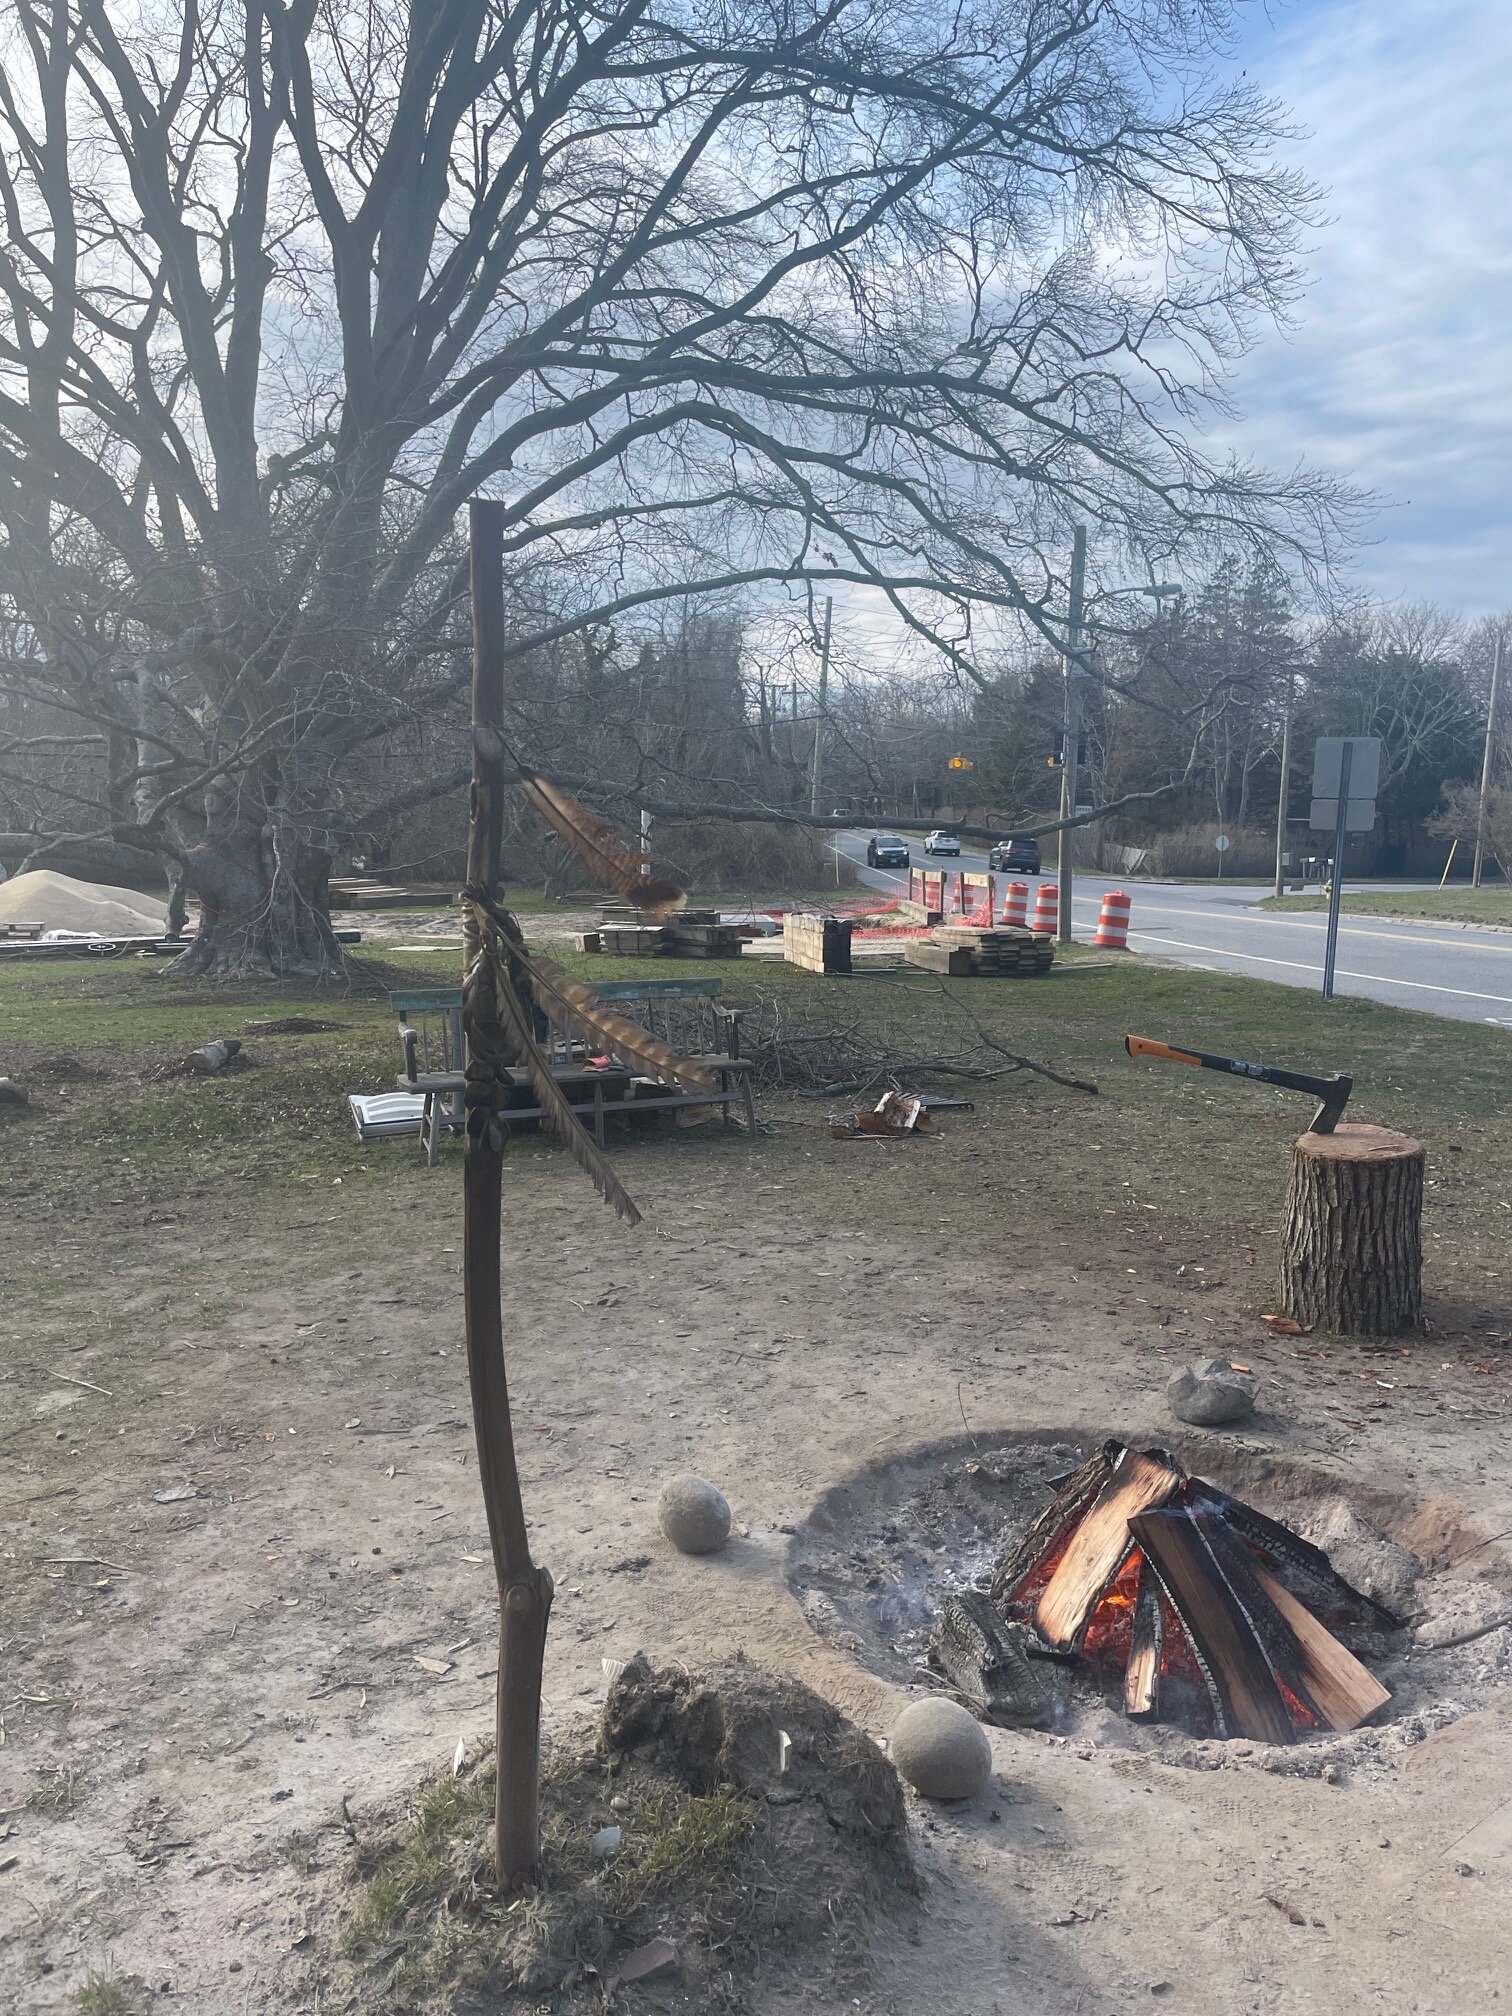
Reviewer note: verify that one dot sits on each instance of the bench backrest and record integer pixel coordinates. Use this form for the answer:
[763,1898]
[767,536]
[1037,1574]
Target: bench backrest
[430,1028]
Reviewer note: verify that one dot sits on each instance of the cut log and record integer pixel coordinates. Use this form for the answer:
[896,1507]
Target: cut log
[1301,1568]
[1346,1693]
[1352,1248]
[1251,1659]
[986,1660]
[1100,1544]
[1025,1569]
[1142,1674]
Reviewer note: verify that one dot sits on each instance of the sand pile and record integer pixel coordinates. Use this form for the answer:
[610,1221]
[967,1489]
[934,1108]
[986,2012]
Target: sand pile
[63,904]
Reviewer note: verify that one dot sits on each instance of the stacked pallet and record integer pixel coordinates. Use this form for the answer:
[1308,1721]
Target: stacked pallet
[687,934]
[952,960]
[361,892]
[998,954]
[817,944]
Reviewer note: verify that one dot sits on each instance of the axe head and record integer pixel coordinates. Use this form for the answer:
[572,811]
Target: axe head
[1336,1091]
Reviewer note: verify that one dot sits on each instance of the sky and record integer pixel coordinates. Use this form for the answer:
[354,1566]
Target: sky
[1398,373]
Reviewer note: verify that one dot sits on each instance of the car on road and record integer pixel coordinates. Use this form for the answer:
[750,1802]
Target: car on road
[887,850]
[1015,857]
[942,841]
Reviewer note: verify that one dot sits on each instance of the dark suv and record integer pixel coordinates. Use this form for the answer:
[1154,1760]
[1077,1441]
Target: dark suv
[886,850]
[1016,857]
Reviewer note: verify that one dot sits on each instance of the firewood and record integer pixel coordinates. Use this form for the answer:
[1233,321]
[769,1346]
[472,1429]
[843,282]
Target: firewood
[1142,1674]
[1027,1567]
[1345,1692]
[985,1660]
[1237,1631]
[1303,1569]
[1100,1544]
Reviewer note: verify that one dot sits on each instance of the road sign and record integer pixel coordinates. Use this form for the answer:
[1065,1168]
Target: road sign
[1222,843]
[1329,772]
[1346,774]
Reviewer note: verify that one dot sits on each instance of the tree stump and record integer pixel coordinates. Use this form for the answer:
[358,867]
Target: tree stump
[1352,1250]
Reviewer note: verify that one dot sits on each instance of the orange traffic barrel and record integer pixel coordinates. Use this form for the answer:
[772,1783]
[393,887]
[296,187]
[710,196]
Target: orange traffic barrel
[1047,907]
[1016,904]
[1113,922]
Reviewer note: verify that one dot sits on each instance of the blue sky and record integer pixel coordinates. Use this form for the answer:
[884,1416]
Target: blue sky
[1398,372]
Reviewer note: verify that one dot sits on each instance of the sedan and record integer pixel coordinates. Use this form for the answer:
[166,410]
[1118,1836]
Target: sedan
[1017,857]
[886,850]
[941,842]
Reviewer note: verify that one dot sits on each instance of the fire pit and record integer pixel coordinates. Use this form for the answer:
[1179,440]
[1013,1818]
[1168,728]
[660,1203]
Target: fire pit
[1207,1613]
[1132,1598]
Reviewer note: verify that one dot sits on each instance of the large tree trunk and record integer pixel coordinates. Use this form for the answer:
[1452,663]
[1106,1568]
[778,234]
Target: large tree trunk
[264,891]
[1352,1251]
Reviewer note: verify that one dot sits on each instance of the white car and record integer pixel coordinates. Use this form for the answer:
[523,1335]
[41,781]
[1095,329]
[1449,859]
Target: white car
[941,842]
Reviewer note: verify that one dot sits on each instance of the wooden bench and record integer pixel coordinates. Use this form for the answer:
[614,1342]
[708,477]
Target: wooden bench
[686,1014]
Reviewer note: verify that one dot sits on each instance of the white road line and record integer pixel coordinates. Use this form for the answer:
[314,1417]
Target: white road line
[1292,966]
[1347,925]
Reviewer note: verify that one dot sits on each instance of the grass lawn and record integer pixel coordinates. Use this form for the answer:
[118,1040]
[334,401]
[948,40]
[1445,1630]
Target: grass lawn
[105,1149]
[1448,906]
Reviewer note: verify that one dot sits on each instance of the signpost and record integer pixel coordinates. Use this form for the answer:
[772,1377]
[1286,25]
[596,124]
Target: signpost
[1346,776]
[1222,844]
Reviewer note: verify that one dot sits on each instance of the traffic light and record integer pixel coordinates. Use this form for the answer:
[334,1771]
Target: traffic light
[1057,760]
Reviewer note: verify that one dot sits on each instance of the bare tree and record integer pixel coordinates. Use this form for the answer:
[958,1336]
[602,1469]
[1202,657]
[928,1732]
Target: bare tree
[709,297]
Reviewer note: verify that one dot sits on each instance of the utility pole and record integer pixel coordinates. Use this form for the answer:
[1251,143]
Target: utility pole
[818,765]
[1281,797]
[1071,660]
[1486,762]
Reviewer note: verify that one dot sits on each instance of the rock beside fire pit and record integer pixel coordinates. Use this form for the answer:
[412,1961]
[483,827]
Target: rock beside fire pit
[694,1516]
[941,1750]
[1210,1393]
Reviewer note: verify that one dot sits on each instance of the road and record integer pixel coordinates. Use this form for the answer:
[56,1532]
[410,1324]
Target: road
[1461,971]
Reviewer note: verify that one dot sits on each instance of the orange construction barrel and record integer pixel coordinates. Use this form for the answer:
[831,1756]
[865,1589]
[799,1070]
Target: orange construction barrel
[1047,908]
[1016,904]
[1113,922]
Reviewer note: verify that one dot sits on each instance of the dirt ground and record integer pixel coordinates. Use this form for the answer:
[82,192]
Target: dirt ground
[246,1598]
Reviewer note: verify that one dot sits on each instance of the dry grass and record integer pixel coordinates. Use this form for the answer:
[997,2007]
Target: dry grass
[430,1926]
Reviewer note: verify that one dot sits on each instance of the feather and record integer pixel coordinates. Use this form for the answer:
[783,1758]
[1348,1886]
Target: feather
[570,1130]
[627,1039]
[614,863]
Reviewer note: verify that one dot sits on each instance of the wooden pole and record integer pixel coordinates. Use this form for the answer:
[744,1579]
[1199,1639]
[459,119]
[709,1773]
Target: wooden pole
[525,1591]
[1352,1246]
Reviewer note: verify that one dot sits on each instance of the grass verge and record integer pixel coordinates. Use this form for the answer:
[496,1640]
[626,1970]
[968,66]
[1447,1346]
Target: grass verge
[105,1156]
[1446,906]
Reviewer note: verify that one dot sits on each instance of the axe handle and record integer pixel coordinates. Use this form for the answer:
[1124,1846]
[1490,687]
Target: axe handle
[1327,1089]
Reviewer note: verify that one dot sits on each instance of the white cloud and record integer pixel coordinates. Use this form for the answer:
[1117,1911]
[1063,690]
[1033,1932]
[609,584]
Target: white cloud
[1399,374]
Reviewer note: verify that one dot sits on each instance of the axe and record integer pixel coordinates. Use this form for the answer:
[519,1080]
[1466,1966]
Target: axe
[1332,1093]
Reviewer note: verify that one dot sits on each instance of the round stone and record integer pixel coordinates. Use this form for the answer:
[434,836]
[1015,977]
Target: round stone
[941,1749]
[693,1515]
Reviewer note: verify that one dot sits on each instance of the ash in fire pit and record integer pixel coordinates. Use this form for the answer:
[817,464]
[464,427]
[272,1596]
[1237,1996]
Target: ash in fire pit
[930,1566]
[1208,1613]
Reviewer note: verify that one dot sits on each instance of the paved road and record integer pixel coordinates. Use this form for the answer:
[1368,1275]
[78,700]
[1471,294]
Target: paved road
[1445,969]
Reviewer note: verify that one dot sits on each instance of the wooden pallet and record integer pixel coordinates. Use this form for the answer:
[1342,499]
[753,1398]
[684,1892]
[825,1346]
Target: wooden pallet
[1000,954]
[954,960]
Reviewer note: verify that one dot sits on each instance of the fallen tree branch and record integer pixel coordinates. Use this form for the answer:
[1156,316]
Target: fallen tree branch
[1022,1063]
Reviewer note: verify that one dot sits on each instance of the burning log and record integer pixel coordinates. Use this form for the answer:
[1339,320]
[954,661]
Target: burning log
[986,1660]
[1208,1612]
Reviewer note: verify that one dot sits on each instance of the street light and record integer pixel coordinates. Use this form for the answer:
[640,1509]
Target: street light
[1071,660]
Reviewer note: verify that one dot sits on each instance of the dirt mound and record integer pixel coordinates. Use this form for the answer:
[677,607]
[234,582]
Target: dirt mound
[63,904]
[756,1825]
